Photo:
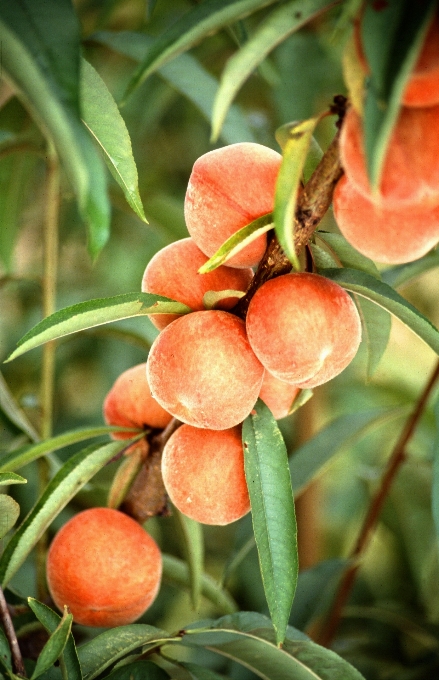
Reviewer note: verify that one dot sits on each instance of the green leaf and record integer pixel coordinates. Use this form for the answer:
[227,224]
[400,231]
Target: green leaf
[104,122]
[238,241]
[212,297]
[176,572]
[26,454]
[273,515]
[392,36]
[7,478]
[404,274]
[199,673]
[376,324]
[186,75]
[346,255]
[50,620]
[384,296]
[288,182]
[315,154]
[61,489]
[201,21]
[5,651]
[108,647]
[54,646]
[40,54]
[93,313]
[312,457]
[9,513]
[191,533]
[12,410]
[138,670]
[281,23]
[255,648]
[435,481]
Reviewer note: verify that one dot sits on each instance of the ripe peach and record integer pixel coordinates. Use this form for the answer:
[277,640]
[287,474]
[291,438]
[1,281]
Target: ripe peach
[278,395]
[202,370]
[228,188]
[173,272]
[304,328]
[130,403]
[105,567]
[411,166]
[203,472]
[389,235]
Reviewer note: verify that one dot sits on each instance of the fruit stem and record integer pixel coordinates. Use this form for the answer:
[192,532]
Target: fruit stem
[147,496]
[397,458]
[312,205]
[8,627]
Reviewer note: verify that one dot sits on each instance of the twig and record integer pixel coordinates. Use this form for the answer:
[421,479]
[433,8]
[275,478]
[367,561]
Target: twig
[394,463]
[5,617]
[313,203]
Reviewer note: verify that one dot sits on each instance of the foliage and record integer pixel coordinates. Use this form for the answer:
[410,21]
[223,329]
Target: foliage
[145,88]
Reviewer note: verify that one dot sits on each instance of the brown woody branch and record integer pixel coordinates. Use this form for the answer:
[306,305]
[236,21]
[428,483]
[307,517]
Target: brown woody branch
[395,461]
[5,618]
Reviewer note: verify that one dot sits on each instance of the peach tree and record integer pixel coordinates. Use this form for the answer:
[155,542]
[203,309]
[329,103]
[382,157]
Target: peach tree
[268,423]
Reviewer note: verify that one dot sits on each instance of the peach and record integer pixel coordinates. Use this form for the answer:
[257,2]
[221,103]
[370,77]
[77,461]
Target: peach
[304,328]
[278,395]
[202,370]
[390,235]
[203,472]
[105,567]
[130,403]
[173,272]
[228,188]
[411,167]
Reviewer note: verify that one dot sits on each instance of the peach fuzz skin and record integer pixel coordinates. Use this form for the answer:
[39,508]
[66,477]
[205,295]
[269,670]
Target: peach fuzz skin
[278,395]
[304,329]
[173,272]
[105,567]
[203,472]
[229,188]
[202,370]
[410,172]
[387,235]
[129,403]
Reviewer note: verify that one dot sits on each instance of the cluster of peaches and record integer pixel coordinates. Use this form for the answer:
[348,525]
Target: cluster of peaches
[400,222]
[206,369]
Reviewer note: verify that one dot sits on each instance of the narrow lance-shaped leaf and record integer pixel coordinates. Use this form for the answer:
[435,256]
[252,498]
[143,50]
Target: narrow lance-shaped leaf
[201,21]
[103,120]
[392,36]
[273,515]
[26,454]
[54,646]
[193,546]
[376,324]
[65,484]
[288,182]
[95,313]
[435,482]
[186,75]
[106,648]
[387,298]
[238,241]
[249,640]
[40,54]
[9,513]
[16,415]
[50,620]
[11,478]
[281,23]
[406,273]
[312,457]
